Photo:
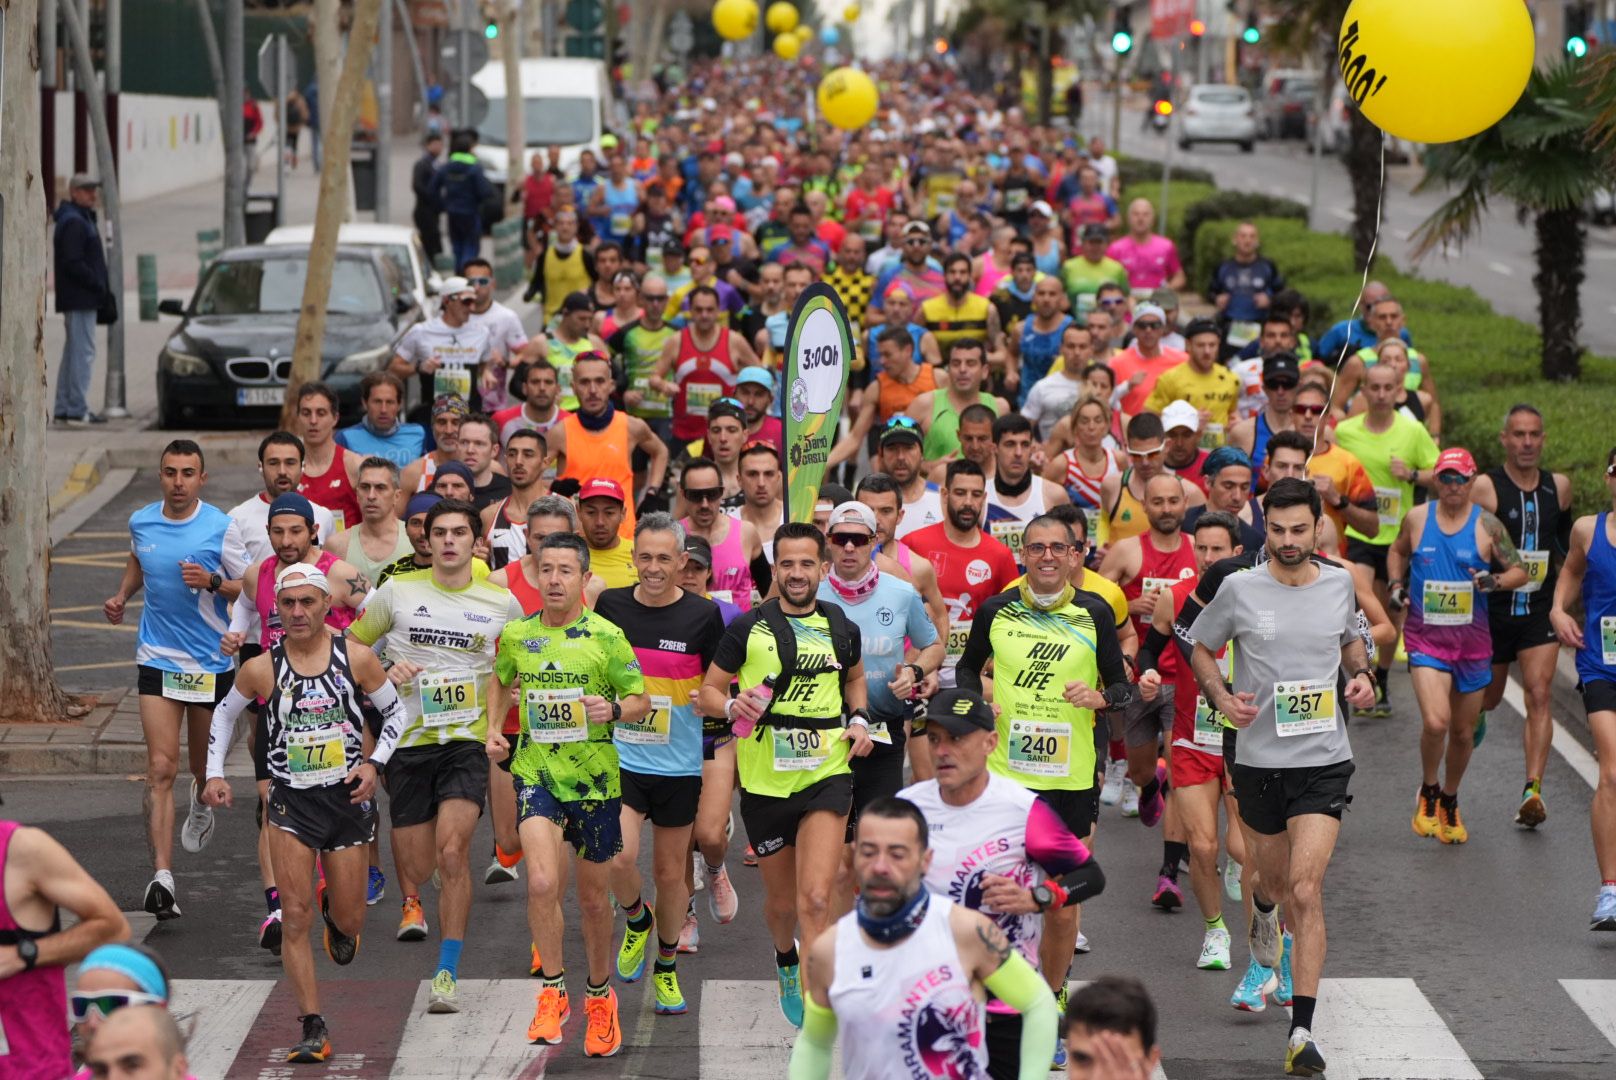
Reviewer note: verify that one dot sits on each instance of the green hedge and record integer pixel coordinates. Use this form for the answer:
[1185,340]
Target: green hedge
[1239,205]
[1134,170]
[1298,252]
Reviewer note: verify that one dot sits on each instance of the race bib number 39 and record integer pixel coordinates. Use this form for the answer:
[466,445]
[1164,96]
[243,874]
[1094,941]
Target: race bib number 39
[1304,708]
[1039,748]
[316,757]
[958,634]
[189,686]
[555,716]
[799,749]
[653,728]
[1449,603]
[448,699]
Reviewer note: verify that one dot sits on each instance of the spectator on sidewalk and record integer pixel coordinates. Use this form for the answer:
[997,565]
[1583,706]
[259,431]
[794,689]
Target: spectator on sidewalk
[428,209]
[311,103]
[81,290]
[297,116]
[462,188]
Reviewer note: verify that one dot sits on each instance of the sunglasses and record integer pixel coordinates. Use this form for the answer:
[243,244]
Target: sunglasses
[1155,451]
[699,262]
[1452,479]
[841,539]
[1279,384]
[654,298]
[1308,410]
[916,240]
[905,423]
[108,1002]
[1058,549]
[1113,301]
[1148,324]
[703,495]
[480,280]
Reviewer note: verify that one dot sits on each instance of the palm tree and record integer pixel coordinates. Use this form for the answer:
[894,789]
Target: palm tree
[1541,158]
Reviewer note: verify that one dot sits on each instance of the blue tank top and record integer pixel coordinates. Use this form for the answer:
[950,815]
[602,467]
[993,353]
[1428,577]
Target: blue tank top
[1447,616]
[620,206]
[1597,657]
[1038,352]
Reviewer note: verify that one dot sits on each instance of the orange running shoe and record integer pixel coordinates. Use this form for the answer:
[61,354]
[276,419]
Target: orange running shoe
[604,1037]
[553,1011]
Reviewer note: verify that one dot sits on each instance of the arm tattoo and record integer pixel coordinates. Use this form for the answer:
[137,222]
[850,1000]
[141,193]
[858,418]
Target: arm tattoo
[357,585]
[997,944]
[1503,547]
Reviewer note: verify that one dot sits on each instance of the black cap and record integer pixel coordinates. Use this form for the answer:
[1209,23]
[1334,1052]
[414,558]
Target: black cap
[900,428]
[700,550]
[577,301]
[1094,230]
[1201,326]
[1282,364]
[723,407]
[673,246]
[960,712]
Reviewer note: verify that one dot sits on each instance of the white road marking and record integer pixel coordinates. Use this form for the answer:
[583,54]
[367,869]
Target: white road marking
[1385,1029]
[1342,213]
[1501,268]
[1401,234]
[225,1011]
[1580,760]
[1597,998]
[487,1037]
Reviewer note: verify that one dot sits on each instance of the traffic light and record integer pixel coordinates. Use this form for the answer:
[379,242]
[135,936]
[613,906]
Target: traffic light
[1252,33]
[1122,32]
[1197,28]
[491,31]
[1577,19]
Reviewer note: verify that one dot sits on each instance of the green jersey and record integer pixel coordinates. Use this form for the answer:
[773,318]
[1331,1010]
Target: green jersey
[552,668]
[641,348]
[1406,440]
[1083,279]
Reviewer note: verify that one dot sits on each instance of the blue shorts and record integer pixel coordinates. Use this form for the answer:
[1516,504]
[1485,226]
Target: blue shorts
[1468,675]
[593,827]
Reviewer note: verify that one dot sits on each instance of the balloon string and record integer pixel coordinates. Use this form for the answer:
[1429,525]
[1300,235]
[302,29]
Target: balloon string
[1374,243]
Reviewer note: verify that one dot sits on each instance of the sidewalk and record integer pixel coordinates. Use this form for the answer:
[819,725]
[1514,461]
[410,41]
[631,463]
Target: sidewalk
[108,740]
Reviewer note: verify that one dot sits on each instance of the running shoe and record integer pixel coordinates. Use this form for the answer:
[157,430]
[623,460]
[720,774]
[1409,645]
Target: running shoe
[750,858]
[376,887]
[690,934]
[1231,880]
[669,1001]
[1169,897]
[269,932]
[1452,830]
[1302,1058]
[1130,799]
[412,924]
[603,1037]
[1151,809]
[1531,813]
[1480,731]
[160,896]
[1082,945]
[338,946]
[198,827]
[1604,911]
[698,871]
[721,898]
[1382,708]
[315,1046]
[553,1010]
[1252,993]
[445,993]
[498,873]
[631,954]
[1214,951]
[1058,1063]
[1266,942]
[790,979]
[1425,821]
[1282,994]
[1116,773]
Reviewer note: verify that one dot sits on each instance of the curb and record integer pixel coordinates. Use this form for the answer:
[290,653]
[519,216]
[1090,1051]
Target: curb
[87,473]
[48,760]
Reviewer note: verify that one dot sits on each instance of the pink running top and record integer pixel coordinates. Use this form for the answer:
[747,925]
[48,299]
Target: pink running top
[34,1039]
[269,619]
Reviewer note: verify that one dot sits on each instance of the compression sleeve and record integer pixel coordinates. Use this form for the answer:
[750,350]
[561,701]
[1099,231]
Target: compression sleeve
[385,698]
[243,613]
[1019,986]
[1150,652]
[1061,855]
[223,729]
[811,1058]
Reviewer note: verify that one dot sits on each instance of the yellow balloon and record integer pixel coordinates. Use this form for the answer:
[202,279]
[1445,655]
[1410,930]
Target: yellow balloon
[781,17]
[803,34]
[1436,71]
[848,98]
[735,19]
[786,46]
[850,13]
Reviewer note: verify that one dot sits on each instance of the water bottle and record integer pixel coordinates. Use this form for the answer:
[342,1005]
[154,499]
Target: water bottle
[741,726]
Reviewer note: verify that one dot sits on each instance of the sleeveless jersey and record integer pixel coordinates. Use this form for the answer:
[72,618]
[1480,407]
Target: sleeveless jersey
[1533,520]
[1597,657]
[924,511]
[507,540]
[270,630]
[893,397]
[562,355]
[915,1015]
[942,437]
[1038,352]
[1444,619]
[316,734]
[372,568]
[527,594]
[604,454]
[1195,725]
[1005,523]
[1127,518]
[732,573]
[562,274]
[34,1037]
[1084,491]
[1259,447]
[1159,570]
[951,322]
[333,490]
[703,376]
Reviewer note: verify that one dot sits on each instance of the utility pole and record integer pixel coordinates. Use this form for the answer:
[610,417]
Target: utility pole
[230,110]
[384,113]
[112,66]
[48,80]
[463,63]
[403,12]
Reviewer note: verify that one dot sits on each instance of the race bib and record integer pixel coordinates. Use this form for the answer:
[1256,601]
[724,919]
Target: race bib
[339,520]
[1389,505]
[726,595]
[1449,603]
[1304,708]
[1537,570]
[1242,334]
[1208,728]
[448,699]
[1008,533]
[1015,200]
[880,733]
[1158,584]
[556,716]
[316,757]
[620,224]
[190,686]
[1211,436]
[653,728]
[958,634]
[699,397]
[1607,639]
[452,380]
[1040,748]
[1091,518]
[799,749]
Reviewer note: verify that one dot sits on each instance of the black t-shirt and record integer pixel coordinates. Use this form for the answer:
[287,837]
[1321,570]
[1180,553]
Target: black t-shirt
[497,488]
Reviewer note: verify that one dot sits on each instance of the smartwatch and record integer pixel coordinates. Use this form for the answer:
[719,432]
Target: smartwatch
[920,673]
[28,952]
[374,764]
[1043,896]
[214,581]
[617,711]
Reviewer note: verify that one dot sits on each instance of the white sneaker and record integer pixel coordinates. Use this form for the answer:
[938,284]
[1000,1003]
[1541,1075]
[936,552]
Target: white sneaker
[1231,880]
[1115,773]
[698,866]
[160,896]
[1082,945]
[1130,799]
[198,827]
[498,873]
[1214,951]
[690,934]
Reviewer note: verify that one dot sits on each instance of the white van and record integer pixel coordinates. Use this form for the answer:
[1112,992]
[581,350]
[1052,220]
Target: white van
[565,101]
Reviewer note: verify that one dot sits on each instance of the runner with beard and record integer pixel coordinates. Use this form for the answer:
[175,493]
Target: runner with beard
[505,522]
[996,847]
[903,976]
[735,543]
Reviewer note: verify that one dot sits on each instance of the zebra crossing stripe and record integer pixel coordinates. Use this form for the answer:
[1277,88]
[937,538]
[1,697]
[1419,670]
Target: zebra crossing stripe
[743,1033]
[487,1037]
[219,1013]
[1387,1030]
[1597,998]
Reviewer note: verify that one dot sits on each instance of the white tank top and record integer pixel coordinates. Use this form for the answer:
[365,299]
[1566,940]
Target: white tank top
[907,1012]
[1005,523]
[926,510]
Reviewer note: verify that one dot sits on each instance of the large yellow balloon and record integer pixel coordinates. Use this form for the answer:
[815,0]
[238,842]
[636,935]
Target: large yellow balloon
[804,34]
[786,46]
[781,17]
[1435,71]
[848,98]
[735,19]
[850,13]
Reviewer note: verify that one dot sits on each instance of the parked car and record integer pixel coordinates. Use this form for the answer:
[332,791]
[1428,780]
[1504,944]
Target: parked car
[1288,102]
[400,243]
[1398,151]
[1213,112]
[230,358]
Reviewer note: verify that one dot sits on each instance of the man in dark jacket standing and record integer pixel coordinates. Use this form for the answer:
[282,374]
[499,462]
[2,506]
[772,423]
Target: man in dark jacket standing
[423,181]
[462,189]
[81,289]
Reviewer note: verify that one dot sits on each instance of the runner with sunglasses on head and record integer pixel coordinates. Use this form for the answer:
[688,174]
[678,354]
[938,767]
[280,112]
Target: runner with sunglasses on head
[1122,495]
[111,978]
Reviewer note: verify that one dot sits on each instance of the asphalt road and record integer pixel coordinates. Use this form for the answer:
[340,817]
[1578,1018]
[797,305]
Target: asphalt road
[1497,262]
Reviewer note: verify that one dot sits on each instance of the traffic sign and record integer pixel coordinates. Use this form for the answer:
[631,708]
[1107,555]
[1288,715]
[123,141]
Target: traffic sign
[478,105]
[267,55]
[583,15]
[476,54]
[681,34]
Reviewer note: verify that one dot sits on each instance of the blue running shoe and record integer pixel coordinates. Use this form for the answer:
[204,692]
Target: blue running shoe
[1604,911]
[791,993]
[1058,1063]
[1282,996]
[1252,993]
[377,887]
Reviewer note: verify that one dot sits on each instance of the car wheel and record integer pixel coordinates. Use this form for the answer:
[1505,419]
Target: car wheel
[1248,147]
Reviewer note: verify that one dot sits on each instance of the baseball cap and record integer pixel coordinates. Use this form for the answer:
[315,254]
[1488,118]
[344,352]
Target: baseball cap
[1041,207]
[455,286]
[734,158]
[450,405]
[727,407]
[1022,258]
[292,503]
[301,573]
[1181,414]
[1200,326]
[1145,311]
[720,234]
[724,203]
[672,246]
[699,550]
[1456,459]
[917,228]
[1095,231]
[456,468]
[602,488]
[421,502]
[1281,365]
[852,513]
[577,301]
[755,376]
[960,712]
[82,180]
[901,428]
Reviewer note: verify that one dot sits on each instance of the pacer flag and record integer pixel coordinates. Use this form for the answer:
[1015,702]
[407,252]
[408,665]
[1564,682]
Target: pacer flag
[819,348]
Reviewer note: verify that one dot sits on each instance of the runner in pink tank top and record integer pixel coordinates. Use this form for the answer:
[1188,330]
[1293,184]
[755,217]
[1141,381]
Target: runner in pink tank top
[269,619]
[34,1040]
[732,573]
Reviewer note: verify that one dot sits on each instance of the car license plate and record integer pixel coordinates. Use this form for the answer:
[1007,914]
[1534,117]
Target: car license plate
[261,395]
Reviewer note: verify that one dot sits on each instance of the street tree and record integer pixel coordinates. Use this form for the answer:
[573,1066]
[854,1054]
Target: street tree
[231,134]
[28,688]
[509,16]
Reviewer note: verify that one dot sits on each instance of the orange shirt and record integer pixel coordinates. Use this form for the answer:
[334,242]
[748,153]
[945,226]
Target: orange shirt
[1128,362]
[895,396]
[603,454]
[1344,468]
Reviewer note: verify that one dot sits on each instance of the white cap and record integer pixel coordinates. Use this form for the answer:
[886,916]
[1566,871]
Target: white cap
[852,513]
[454,286]
[1181,414]
[301,573]
[1041,207]
[1144,311]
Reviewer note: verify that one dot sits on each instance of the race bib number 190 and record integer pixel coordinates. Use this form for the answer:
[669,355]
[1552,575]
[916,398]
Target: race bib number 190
[1304,708]
[799,749]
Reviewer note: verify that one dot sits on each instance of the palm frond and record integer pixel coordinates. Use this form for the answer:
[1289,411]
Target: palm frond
[1455,221]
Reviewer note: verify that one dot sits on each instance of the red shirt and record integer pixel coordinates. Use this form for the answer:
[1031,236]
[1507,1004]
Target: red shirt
[1191,473]
[1158,569]
[868,205]
[966,576]
[1174,669]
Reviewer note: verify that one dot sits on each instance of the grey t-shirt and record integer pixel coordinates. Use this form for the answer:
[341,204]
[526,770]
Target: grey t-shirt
[1287,647]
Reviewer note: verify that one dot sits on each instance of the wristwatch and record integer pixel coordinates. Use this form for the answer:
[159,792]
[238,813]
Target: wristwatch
[920,672]
[1344,503]
[1369,672]
[28,952]
[374,764]
[1043,896]
[617,711]
[214,581]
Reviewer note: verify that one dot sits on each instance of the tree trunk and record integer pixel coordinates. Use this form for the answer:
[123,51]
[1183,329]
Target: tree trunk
[325,28]
[28,689]
[1046,74]
[1363,169]
[337,118]
[510,48]
[230,133]
[1561,252]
